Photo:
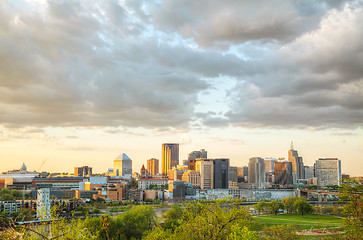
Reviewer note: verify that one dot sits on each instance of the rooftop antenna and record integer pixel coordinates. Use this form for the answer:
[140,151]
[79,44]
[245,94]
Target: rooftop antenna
[292,145]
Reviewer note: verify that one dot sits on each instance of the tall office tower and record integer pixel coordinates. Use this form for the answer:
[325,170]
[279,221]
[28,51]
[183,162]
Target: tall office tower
[242,174]
[309,172]
[245,172]
[269,164]
[298,170]
[328,171]
[122,165]
[193,156]
[192,177]
[153,166]
[206,169]
[256,172]
[43,204]
[170,157]
[197,154]
[232,176]
[221,167]
[83,171]
[283,173]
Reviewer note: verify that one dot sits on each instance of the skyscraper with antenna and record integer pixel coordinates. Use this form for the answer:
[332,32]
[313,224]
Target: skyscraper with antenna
[298,170]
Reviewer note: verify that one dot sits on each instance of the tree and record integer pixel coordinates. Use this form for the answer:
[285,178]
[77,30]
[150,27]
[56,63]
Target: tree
[244,233]
[211,220]
[302,206]
[279,232]
[260,206]
[136,222]
[351,193]
[172,217]
[289,203]
[274,206]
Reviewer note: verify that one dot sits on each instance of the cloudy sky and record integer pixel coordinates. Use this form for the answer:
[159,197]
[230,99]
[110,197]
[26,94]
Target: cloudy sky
[83,81]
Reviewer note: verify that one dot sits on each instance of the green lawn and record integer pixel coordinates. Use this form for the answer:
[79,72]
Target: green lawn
[306,222]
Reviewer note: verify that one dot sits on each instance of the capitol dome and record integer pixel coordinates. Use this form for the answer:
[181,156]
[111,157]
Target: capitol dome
[23,168]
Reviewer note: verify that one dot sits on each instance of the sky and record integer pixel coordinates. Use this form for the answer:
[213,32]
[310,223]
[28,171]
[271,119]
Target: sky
[84,81]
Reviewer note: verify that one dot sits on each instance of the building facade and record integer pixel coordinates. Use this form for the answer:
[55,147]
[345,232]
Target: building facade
[170,157]
[43,204]
[269,164]
[232,176]
[144,183]
[283,173]
[309,172]
[122,166]
[206,169]
[83,171]
[256,172]
[197,154]
[221,168]
[328,171]
[153,166]
[192,177]
[298,170]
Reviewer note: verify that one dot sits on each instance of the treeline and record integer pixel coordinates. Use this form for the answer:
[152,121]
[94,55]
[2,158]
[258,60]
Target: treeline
[290,204]
[7,194]
[225,219]
[296,205]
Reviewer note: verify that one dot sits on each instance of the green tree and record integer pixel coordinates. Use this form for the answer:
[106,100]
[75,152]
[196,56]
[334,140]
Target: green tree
[280,232]
[175,213]
[302,206]
[274,206]
[211,220]
[243,233]
[260,206]
[172,217]
[289,203]
[6,197]
[135,223]
[351,193]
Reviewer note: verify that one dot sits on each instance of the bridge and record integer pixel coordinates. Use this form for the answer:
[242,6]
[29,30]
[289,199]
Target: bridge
[322,194]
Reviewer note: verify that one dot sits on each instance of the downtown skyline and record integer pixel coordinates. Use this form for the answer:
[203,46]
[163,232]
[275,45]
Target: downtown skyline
[81,82]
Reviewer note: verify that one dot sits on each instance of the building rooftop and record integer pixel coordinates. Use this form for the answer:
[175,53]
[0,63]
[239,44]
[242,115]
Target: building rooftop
[123,157]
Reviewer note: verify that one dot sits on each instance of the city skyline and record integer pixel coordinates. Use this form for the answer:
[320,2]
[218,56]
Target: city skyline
[81,82]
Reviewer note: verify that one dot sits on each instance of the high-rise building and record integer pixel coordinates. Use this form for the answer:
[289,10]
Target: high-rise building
[206,169]
[328,171]
[221,167]
[193,156]
[256,172]
[43,204]
[242,173]
[153,166]
[122,165]
[283,173]
[232,176]
[197,154]
[83,171]
[269,164]
[192,177]
[309,172]
[298,170]
[170,157]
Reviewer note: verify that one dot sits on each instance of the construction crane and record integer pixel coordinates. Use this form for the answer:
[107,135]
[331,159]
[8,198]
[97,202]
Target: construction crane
[42,165]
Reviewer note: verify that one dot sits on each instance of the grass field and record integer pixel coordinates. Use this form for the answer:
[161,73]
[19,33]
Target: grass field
[303,223]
